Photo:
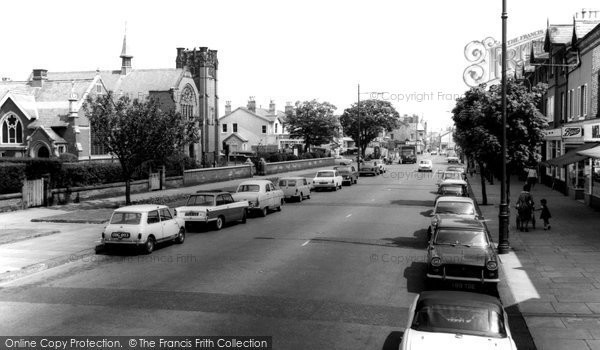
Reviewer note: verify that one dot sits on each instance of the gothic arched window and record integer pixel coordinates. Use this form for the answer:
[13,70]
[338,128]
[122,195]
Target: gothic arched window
[187,102]
[12,129]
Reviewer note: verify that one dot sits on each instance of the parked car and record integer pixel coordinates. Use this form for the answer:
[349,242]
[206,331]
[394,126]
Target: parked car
[369,167]
[449,206]
[380,163]
[460,251]
[459,168]
[261,195]
[143,226]
[450,175]
[425,165]
[212,207]
[342,161]
[453,187]
[452,159]
[330,179]
[453,320]
[349,174]
[294,187]
[434,153]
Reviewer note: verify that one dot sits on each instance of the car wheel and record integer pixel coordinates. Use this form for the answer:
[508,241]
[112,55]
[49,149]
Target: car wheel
[219,223]
[149,245]
[245,216]
[180,236]
[429,233]
[264,211]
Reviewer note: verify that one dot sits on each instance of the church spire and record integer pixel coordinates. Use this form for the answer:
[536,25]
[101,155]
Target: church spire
[125,57]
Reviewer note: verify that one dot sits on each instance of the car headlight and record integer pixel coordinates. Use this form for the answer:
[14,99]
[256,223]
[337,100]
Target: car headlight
[436,262]
[491,265]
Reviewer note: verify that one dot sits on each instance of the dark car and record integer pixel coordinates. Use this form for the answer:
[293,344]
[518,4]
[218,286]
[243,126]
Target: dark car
[369,167]
[461,252]
[349,174]
[453,188]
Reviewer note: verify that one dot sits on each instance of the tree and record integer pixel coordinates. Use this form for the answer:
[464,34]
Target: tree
[314,122]
[478,120]
[136,132]
[375,117]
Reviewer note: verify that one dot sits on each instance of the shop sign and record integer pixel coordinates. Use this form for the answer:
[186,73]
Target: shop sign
[591,132]
[569,132]
[552,133]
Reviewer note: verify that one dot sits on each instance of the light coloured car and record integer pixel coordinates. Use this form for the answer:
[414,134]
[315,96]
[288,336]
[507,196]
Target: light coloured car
[329,179]
[261,195]
[452,159]
[425,165]
[447,206]
[450,175]
[339,160]
[295,187]
[212,207]
[452,320]
[369,167]
[143,226]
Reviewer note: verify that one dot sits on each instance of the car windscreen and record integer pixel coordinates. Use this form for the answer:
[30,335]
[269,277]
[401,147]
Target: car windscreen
[459,208]
[201,200]
[324,174]
[284,183]
[459,319]
[452,175]
[454,189]
[249,188]
[461,237]
[125,218]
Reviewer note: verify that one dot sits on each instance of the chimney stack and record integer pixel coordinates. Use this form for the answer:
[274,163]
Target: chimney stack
[72,101]
[289,109]
[39,76]
[227,107]
[252,104]
[272,107]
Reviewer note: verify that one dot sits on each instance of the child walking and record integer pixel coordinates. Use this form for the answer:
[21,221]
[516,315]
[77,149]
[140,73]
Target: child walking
[545,215]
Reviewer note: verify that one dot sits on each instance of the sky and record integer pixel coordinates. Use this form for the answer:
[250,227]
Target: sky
[411,53]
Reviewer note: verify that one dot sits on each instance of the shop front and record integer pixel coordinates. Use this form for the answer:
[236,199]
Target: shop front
[592,166]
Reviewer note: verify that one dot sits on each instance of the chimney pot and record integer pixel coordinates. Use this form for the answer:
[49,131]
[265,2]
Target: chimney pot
[227,107]
[39,75]
[252,104]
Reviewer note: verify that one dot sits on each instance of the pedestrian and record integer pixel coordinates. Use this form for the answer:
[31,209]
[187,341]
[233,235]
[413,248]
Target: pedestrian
[545,215]
[525,207]
[532,177]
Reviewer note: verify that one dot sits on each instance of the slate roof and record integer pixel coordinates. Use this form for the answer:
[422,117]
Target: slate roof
[583,26]
[558,34]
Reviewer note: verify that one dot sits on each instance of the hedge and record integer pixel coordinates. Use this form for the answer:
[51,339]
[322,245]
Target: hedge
[12,176]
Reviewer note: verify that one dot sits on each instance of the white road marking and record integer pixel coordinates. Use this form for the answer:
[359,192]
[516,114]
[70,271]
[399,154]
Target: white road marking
[349,215]
[305,243]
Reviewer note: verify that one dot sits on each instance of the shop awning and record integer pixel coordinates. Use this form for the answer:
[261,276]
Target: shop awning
[572,156]
[592,152]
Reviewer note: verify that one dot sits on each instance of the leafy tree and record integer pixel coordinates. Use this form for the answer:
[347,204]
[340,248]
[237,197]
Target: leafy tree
[375,117]
[478,121]
[136,132]
[314,122]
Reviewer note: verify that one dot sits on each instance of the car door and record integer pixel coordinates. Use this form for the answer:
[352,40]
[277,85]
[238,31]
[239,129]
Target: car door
[170,227]
[234,212]
[273,198]
[267,195]
[153,224]
[221,207]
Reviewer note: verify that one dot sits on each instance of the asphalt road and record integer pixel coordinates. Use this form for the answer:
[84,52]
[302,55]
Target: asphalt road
[335,271]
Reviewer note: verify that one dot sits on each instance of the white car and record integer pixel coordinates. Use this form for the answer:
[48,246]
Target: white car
[330,179]
[339,160]
[425,165]
[450,175]
[462,207]
[295,187]
[216,207]
[452,320]
[143,226]
[261,195]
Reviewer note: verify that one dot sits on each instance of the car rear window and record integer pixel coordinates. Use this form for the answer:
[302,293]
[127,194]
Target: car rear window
[124,218]
[200,200]
[249,188]
[325,174]
[459,208]
[284,183]
[459,319]
[461,237]
[452,189]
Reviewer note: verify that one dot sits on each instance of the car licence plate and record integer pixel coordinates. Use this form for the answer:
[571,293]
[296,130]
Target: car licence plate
[120,235]
[462,285]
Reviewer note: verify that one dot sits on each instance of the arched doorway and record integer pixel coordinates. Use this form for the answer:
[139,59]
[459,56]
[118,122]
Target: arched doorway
[43,152]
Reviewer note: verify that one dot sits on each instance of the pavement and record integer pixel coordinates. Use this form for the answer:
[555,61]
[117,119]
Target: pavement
[551,278]
[37,239]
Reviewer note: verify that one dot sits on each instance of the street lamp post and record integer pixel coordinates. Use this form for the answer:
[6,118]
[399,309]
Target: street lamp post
[503,246]
[358,139]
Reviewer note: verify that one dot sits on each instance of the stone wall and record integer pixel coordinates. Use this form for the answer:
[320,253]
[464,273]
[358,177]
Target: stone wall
[293,165]
[210,175]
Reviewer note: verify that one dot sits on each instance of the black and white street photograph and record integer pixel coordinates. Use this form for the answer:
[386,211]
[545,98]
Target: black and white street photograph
[300,175]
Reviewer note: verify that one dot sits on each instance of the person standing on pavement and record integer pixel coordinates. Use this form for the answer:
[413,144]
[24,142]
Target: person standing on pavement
[545,215]
[532,177]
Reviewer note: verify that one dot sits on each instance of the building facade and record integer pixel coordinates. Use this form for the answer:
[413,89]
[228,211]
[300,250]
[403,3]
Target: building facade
[43,116]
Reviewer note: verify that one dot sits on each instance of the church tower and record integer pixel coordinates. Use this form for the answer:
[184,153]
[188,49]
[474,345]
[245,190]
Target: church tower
[203,65]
